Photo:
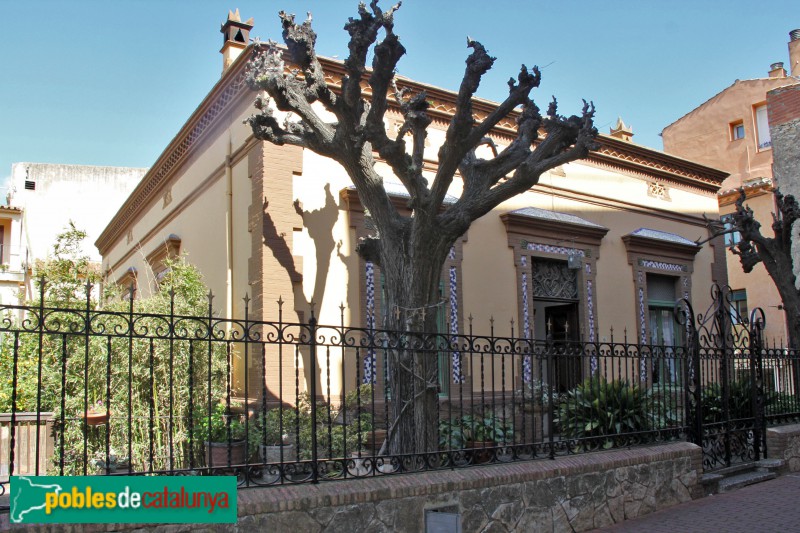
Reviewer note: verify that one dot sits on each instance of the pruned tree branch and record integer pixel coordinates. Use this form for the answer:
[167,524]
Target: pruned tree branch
[774,252]
[566,139]
[463,134]
[410,248]
[361,126]
[300,43]
[267,72]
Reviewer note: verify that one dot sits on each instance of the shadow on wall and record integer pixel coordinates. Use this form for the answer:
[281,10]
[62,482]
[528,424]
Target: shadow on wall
[319,223]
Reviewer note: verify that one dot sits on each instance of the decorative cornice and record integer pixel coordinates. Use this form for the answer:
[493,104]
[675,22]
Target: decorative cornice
[227,90]
[544,228]
[629,156]
[605,202]
[638,245]
[231,88]
[751,190]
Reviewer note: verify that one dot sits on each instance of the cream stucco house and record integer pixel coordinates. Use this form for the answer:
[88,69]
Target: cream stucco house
[604,242]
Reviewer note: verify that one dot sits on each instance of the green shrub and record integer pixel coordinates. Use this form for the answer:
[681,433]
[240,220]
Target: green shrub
[608,413]
[339,430]
[143,380]
[739,401]
[268,429]
[221,421]
[666,405]
[456,433]
[783,403]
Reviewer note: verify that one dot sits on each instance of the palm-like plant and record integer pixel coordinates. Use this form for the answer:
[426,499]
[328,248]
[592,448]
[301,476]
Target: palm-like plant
[603,413]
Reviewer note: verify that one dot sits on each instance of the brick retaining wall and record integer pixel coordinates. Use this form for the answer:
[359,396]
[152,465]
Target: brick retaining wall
[576,493]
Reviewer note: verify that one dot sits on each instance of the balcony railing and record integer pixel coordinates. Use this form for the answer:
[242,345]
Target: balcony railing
[13,258]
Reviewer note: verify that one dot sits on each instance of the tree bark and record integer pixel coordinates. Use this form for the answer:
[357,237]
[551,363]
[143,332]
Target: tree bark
[412,271]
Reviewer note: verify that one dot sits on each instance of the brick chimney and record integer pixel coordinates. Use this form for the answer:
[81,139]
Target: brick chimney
[776,70]
[794,52]
[236,35]
[622,131]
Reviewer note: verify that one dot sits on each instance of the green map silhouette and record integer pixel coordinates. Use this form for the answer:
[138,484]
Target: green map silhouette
[28,496]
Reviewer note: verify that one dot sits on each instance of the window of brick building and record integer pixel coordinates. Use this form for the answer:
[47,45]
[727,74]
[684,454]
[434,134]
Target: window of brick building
[737,130]
[762,127]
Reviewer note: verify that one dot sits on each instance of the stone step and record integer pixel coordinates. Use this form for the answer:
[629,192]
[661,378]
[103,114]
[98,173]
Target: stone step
[770,465]
[736,468]
[740,475]
[742,480]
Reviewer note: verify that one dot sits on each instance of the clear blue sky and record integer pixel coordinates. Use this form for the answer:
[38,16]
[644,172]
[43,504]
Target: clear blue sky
[110,83]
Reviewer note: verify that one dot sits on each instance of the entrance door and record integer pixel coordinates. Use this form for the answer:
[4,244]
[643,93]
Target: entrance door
[562,327]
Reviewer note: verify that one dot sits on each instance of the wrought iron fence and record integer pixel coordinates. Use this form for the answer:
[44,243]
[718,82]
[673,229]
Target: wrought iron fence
[737,383]
[135,392]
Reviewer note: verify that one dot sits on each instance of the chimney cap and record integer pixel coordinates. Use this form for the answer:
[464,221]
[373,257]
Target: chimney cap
[621,130]
[235,36]
[794,35]
[235,21]
[776,70]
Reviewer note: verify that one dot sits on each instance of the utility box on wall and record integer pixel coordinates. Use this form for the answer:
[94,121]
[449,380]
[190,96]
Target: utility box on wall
[443,520]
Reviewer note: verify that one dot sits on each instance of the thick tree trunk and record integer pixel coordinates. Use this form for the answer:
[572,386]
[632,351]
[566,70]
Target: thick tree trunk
[778,263]
[411,250]
[792,308]
[412,274]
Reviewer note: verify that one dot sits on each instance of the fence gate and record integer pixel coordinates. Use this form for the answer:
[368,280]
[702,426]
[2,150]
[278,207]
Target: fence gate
[724,381]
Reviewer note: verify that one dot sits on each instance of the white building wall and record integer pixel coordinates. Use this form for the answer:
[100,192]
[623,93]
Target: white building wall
[87,195]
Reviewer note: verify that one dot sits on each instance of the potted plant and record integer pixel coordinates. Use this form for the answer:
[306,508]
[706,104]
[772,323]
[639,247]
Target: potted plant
[97,414]
[535,395]
[348,432]
[271,437]
[481,433]
[224,435]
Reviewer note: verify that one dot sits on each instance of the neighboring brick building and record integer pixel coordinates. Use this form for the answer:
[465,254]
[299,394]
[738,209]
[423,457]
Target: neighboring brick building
[732,131]
[784,123]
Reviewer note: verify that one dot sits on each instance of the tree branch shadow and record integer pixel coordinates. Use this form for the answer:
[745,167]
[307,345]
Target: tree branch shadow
[319,224]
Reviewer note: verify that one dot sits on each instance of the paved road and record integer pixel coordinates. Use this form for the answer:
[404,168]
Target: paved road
[771,506]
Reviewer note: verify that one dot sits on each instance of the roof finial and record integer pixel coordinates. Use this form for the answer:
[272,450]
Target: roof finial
[622,131]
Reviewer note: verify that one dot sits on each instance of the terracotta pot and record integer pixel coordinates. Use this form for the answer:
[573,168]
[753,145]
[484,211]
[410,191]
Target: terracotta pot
[96,418]
[217,453]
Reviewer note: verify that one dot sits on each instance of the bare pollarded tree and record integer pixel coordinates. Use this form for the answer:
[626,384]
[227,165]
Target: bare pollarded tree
[410,250]
[775,252]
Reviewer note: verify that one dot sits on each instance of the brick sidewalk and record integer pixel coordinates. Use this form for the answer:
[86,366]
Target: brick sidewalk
[771,506]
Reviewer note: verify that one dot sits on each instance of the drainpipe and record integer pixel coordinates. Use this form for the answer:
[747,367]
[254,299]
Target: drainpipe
[747,149]
[229,228]
[28,254]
